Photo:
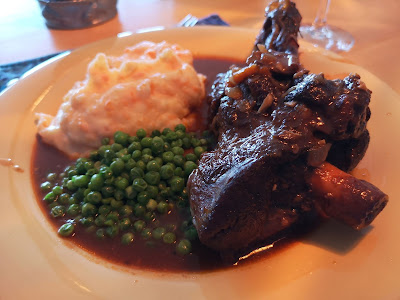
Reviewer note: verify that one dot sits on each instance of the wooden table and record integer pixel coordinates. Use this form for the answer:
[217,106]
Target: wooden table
[374,24]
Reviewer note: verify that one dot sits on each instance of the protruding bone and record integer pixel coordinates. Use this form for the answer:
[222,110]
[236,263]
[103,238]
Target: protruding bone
[343,197]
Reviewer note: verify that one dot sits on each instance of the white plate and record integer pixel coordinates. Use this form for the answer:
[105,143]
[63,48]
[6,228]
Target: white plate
[334,263]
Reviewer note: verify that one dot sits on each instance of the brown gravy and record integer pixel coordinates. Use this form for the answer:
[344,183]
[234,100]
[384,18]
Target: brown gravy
[158,257]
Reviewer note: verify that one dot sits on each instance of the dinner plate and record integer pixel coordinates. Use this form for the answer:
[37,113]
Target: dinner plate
[334,262]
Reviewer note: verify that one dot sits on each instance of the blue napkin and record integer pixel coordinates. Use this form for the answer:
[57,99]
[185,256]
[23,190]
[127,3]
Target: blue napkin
[11,72]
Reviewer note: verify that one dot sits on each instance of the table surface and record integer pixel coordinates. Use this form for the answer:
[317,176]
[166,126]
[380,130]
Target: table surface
[375,26]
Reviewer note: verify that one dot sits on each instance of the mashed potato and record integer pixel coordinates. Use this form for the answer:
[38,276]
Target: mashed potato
[150,86]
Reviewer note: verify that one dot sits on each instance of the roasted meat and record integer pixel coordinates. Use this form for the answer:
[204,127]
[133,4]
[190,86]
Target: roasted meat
[286,139]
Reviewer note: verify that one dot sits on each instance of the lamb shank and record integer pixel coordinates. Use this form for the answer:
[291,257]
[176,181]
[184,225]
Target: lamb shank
[286,140]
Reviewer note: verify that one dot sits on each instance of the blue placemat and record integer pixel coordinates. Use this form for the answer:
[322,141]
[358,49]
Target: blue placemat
[9,73]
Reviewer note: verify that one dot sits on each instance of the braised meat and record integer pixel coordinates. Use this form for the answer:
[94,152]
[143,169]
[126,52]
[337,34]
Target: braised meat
[286,139]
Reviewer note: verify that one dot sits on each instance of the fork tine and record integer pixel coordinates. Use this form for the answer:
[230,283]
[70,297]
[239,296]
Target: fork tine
[184,20]
[188,21]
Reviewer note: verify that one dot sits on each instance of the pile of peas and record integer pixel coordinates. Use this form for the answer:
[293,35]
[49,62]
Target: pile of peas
[122,188]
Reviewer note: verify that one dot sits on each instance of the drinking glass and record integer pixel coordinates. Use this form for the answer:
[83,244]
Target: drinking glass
[327,36]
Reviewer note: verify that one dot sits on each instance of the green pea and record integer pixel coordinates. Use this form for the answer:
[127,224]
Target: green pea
[107,191]
[178,160]
[177,184]
[178,144]
[57,190]
[50,197]
[94,197]
[121,137]
[107,200]
[195,142]
[178,150]
[198,151]
[152,191]
[125,210]
[100,234]
[121,183]
[108,222]
[51,177]
[166,193]
[149,216]
[186,143]
[146,158]
[57,211]
[106,172]
[146,142]
[139,184]
[184,247]
[139,225]
[97,182]
[153,165]
[71,186]
[88,209]
[141,133]
[89,221]
[130,164]
[80,180]
[116,203]
[158,233]
[119,195]
[109,181]
[136,155]
[117,148]
[141,164]
[167,156]
[73,200]
[66,229]
[162,207]
[188,167]
[136,172]
[132,139]
[72,173]
[180,127]
[169,238]
[151,205]
[191,233]
[143,197]
[90,173]
[46,186]
[130,193]
[125,224]
[113,216]
[100,220]
[152,177]
[104,209]
[191,157]
[63,198]
[146,233]
[179,172]
[109,154]
[171,136]
[165,131]
[73,210]
[112,231]
[157,145]
[127,238]
[139,210]
[166,172]
[117,166]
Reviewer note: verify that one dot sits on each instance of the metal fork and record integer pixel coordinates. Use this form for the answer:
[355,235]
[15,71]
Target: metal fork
[188,21]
